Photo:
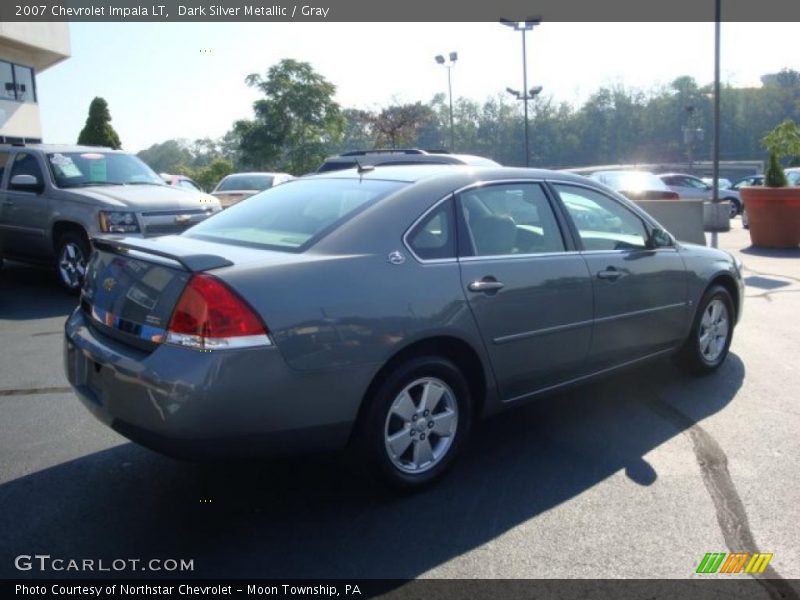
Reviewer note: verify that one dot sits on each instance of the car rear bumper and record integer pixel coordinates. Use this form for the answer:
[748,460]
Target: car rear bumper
[190,403]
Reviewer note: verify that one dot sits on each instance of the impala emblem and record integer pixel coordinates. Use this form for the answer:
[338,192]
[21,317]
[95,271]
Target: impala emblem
[396,258]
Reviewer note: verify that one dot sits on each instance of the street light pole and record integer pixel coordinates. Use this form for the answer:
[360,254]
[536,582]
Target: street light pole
[715,175]
[449,65]
[525,99]
[524,27]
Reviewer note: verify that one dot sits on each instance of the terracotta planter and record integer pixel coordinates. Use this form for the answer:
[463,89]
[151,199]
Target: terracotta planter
[774,216]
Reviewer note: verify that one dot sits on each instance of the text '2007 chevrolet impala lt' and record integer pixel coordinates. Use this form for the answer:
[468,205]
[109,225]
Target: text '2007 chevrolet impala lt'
[386,309]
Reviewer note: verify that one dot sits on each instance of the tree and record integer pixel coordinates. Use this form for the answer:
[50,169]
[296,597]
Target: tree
[98,130]
[295,123]
[398,125]
[208,176]
[167,156]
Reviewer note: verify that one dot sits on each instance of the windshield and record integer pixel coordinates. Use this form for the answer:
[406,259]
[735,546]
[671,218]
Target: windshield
[293,215]
[632,181]
[76,169]
[245,182]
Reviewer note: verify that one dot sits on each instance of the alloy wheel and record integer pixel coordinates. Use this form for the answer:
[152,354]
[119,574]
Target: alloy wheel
[714,330]
[72,265]
[421,425]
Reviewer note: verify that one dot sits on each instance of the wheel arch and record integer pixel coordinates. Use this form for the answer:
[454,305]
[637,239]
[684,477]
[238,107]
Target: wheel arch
[63,226]
[727,281]
[455,349]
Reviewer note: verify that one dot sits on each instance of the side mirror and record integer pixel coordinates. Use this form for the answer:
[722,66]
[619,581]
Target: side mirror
[26,183]
[659,239]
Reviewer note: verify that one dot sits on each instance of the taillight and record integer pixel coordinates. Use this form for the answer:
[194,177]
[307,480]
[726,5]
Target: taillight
[210,316]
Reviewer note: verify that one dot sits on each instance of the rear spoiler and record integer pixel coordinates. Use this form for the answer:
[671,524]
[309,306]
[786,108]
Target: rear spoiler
[190,262]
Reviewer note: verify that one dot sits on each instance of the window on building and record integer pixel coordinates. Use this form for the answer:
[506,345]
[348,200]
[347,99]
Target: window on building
[26,90]
[7,82]
[17,83]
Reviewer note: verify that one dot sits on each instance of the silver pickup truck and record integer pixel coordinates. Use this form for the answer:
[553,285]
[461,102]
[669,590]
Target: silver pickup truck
[54,199]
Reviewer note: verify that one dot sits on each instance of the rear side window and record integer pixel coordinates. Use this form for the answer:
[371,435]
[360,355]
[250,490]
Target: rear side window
[245,182]
[294,215]
[510,219]
[434,237]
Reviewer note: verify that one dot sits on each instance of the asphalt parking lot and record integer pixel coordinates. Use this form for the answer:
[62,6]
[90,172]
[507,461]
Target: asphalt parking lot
[636,476]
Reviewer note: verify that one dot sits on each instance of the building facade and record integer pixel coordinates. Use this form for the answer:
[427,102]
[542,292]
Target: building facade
[26,49]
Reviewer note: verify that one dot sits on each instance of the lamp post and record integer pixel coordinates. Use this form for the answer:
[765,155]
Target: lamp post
[524,27]
[453,56]
[715,175]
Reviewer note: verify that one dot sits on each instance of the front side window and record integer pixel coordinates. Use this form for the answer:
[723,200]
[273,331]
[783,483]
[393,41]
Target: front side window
[294,215]
[80,169]
[26,164]
[602,223]
[434,237]
[510,219]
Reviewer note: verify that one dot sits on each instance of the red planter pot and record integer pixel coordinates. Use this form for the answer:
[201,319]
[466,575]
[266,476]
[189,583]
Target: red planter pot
[774,216]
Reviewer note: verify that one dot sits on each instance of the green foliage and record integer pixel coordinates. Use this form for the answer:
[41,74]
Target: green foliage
[783,141]
[774,175]
[168,156]
[98,130]
[296,122]
[208,176]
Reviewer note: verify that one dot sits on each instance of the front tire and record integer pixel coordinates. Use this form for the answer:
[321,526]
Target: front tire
[712,331]
[416,423]
[736,207]
[72,255]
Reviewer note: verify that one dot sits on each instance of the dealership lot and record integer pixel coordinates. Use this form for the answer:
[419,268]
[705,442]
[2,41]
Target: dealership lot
[639,475]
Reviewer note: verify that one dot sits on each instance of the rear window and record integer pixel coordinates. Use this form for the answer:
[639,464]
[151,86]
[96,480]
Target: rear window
[245,182]
[294,215]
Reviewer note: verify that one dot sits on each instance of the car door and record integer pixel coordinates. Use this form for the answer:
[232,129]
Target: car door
[640,291]
[528,289]
[26,211]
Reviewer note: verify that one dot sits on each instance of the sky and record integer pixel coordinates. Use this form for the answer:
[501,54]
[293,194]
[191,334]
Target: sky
[186,80]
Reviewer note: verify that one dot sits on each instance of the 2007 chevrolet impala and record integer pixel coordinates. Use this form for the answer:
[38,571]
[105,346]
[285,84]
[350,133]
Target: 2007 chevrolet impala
[386,308]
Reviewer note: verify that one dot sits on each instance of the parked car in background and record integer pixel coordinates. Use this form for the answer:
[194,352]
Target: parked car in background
[724,183]
[53,199]
[235,188]
[402,156]
[694,188]
[750,180]
[636,185]
[181,181]
[343,309]
[792,176]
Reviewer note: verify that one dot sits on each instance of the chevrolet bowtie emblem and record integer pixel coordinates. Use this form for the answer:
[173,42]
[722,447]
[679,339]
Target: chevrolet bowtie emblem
[182,219]
[109,284]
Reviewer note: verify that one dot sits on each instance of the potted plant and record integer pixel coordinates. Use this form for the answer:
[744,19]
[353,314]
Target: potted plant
[773,209]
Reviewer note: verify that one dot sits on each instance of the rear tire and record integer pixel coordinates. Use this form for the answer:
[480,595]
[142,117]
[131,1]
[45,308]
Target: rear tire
[72,256]
[712,331]
[736,206]
[416,423]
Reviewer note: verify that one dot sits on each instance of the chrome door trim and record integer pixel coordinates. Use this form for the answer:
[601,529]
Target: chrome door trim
[544,331]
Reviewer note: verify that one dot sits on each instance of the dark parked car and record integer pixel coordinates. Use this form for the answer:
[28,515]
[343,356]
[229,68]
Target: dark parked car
[405,156]
[387,310]
[750,180]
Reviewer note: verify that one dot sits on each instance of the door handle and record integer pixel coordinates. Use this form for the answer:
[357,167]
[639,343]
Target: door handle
[487,284]
[610,273]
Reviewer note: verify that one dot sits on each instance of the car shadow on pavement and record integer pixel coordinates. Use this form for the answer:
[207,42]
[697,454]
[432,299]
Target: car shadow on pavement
[313,518]
[31,292]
